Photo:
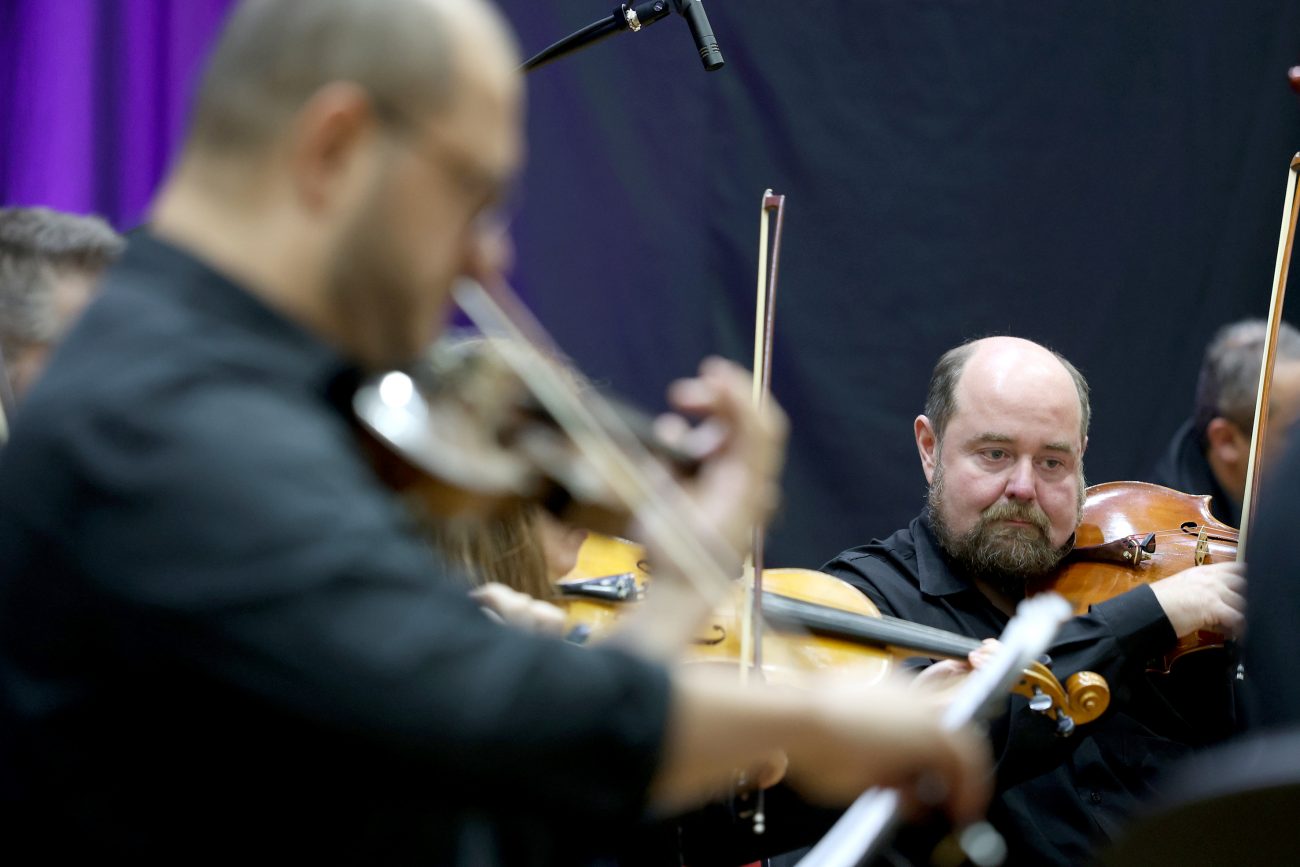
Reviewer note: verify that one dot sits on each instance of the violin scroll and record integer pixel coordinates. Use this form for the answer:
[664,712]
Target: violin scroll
[1084,697]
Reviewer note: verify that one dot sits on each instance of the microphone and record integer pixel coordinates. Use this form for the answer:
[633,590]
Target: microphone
[698,21]
[634,19]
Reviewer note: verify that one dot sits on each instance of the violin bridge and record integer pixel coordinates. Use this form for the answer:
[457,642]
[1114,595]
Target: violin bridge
[1202,547]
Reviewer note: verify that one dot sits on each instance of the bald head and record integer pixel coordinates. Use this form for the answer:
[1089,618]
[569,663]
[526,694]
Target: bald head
[997,364]
[1002,445]
[407,55]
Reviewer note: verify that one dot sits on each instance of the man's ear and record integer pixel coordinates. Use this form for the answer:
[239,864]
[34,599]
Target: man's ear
[326,144]
[927,445]
[1225,441]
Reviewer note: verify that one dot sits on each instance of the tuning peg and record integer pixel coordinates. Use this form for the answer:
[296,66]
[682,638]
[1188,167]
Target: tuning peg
[1041,702]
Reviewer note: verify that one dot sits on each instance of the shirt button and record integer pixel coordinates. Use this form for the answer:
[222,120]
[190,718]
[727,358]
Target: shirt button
[1094,796]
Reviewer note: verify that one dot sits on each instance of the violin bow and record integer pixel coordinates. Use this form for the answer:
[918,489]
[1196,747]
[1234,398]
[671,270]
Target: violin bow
[1286,238]
[771,220]
[772,205]
[866,825]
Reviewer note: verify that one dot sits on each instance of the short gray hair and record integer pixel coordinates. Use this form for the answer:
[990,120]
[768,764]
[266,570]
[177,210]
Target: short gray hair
[941,399]
[1229,376]
[274,54]
[36,245]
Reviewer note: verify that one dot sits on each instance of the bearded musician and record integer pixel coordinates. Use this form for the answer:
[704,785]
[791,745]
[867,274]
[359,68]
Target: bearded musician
[1001,444]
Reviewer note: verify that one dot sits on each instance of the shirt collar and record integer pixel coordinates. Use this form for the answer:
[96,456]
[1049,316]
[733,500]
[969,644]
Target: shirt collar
[935,573]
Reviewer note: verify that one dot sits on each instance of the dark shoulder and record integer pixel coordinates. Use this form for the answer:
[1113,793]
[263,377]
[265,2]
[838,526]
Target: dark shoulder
[140,414]
[155,362]
[882,568]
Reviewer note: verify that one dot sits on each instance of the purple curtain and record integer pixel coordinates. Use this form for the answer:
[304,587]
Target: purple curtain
[93,96]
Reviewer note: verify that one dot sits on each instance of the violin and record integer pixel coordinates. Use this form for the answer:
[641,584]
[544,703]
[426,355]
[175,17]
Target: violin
[461,435]
[817,623]
[1154,532]
[1134,533]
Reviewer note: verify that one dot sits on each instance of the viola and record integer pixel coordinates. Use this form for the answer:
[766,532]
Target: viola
[817,623]
[1135,533]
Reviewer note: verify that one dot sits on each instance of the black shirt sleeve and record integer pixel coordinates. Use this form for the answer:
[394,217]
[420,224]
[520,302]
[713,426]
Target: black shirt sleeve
[1114,639]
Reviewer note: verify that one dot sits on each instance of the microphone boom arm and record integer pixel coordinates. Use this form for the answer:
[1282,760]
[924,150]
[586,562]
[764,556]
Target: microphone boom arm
[625,17]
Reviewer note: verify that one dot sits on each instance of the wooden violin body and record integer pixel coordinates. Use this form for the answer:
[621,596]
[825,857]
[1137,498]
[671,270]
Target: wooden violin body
[1135,533]
[620,566]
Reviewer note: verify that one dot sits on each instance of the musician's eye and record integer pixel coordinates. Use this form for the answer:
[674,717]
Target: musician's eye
[996,454]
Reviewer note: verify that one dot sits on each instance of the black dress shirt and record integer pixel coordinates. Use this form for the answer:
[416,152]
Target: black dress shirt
[221,637]
[1058,797]
[1184,468]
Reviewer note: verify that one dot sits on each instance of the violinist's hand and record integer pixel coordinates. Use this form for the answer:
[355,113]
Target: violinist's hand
[887,735]
[769,773]
[948,674]
[1205,597]
[841,739]
[742,448]
[762,774]
[519,610]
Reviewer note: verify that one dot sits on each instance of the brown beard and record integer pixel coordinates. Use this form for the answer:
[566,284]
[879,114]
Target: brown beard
[1006,557]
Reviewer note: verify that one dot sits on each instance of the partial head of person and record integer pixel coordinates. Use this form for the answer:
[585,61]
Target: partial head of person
[523,547]
[343,159]
[49,264]
[1226,393]
[1001,444]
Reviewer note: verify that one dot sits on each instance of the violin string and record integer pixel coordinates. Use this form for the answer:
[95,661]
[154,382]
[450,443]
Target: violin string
[1217,535]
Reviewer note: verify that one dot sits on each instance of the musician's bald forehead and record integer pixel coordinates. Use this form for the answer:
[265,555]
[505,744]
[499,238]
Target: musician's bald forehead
[1015,378]
[409,55]
[978,370]
[1002,362]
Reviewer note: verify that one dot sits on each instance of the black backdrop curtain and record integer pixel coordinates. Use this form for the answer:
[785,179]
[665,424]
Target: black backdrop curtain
[1103,177]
